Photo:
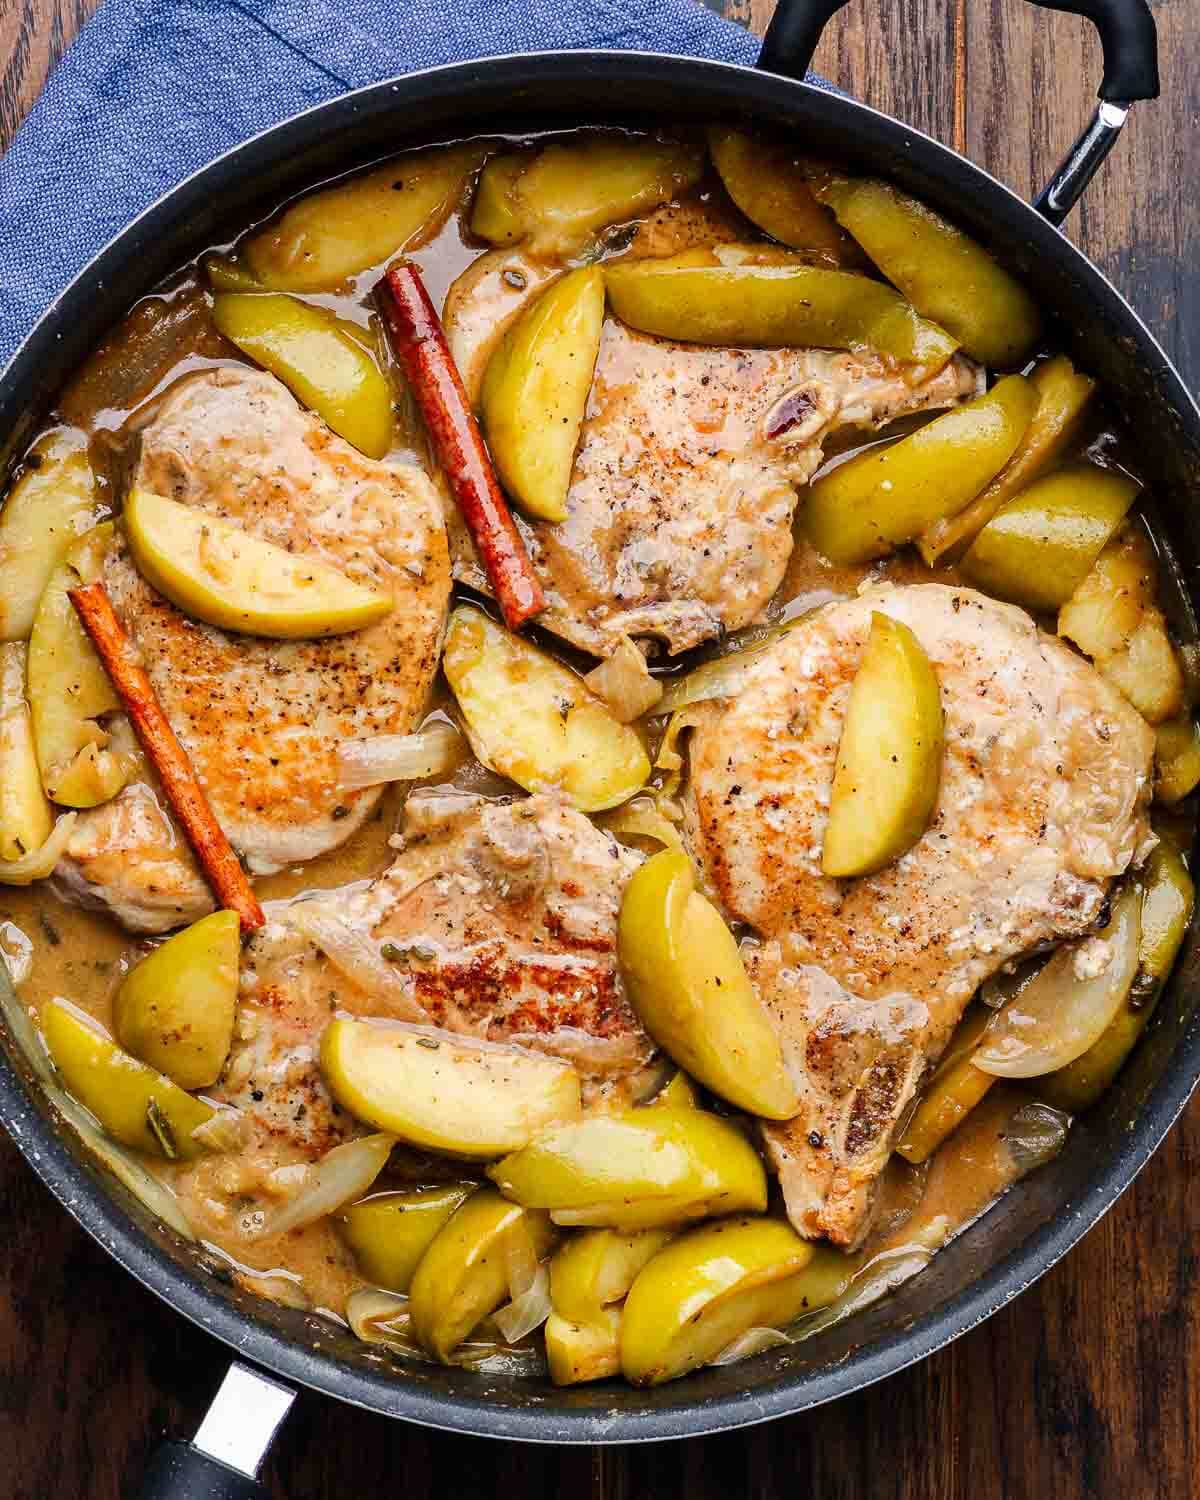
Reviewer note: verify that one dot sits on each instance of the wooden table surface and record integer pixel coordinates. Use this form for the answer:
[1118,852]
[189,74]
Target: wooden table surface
[1089,1385]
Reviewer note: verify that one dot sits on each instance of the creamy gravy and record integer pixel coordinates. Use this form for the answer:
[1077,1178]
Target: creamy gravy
[83,955]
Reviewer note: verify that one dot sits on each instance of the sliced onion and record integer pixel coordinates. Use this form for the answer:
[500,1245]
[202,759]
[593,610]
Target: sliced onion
[23,1030]
[753,1341]
[123,1164]
[722,676]
[379,1317]
[1006,984]
[624,683]
[432,751]
[41,862]
[1035,1135]
[594,1054]
[527,1311]
[16,952]
[642,818]
[357,956]
[1063,1011]
[343,1174]
[484,1357]
[521,1257]
[879,1276]
[224,1130]
[670,757]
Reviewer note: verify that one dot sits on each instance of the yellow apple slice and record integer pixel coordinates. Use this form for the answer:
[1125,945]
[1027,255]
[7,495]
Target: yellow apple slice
[445,1092]
[218,573]
[889,760]
[536,388]
[687,982]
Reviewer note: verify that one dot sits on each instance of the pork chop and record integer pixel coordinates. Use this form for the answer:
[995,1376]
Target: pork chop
[262,719]
[1044,794]
[497,920]
[679,515]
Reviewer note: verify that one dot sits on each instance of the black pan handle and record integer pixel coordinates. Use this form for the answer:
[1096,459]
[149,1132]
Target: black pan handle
[180,1471]
[1126,27]
[223,1461]
[1127,34]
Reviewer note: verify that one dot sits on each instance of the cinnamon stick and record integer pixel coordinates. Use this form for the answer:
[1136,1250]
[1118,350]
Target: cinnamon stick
[419,343]
[168,757]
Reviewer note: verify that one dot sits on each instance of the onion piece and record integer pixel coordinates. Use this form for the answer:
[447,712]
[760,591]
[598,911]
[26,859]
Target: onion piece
[16,952]
[722,676]
[343,1174]
[379,1317]
[24,1032]
[1006,984]
[123,1164]
[624,683]
[641,818]
[357,957]
[527,1311]
[39,862]
[224,1130]
[753,1341]
[879,1276]
[382,1318]
[436,749]
[1067,1007]
[488,1358]
[670,757]
[521,1258]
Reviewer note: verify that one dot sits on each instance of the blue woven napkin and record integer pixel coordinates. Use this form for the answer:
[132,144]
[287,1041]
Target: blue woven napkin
[153,89]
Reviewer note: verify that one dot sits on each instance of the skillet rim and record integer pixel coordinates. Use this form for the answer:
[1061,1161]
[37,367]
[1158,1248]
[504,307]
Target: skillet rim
[741,89]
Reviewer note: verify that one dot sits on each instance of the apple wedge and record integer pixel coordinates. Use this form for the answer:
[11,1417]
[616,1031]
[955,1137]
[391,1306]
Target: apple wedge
[535,391]
[889,761]
[687,982]
[69,690]
[532,719]
[175,1009]
[135,1104]
[445,1092]
[218,573]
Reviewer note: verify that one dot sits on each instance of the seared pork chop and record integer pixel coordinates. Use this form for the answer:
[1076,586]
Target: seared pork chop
[497,920]
[262,719]
[679,516]
[1044,794]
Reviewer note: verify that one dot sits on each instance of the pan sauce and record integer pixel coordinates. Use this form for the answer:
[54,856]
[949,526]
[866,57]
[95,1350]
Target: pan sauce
[83,955]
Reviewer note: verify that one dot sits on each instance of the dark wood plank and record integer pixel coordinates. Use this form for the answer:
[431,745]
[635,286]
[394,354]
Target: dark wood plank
[1086,1387]
[33,36]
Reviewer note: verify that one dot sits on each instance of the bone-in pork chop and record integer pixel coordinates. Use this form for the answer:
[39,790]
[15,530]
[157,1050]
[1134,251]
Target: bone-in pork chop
[679,515]
[262,719]
[497,920]
[1043,801]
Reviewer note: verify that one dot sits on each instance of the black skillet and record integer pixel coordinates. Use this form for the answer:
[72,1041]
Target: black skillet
[1032,1227]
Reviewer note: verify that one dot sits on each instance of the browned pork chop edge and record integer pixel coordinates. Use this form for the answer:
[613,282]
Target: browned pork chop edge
[1043,802]
[260,719]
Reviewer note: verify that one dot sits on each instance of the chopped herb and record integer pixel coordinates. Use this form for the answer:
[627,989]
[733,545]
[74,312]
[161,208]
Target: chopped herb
[396,954]
[340,812]
[49,931]
[428,1041]
[160,1128]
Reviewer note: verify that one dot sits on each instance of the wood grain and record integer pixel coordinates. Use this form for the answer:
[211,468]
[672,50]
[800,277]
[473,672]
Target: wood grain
[1088,1387]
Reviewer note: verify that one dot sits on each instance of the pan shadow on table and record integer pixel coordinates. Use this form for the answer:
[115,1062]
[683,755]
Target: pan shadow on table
[1088,1386]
